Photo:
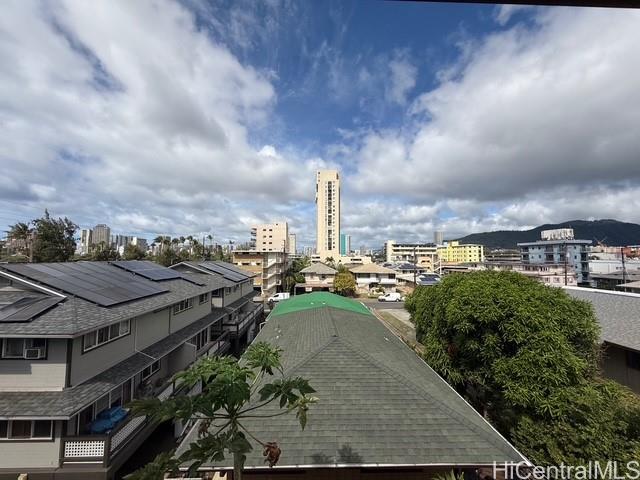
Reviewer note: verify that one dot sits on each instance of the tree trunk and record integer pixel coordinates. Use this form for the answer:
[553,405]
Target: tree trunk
[237,468]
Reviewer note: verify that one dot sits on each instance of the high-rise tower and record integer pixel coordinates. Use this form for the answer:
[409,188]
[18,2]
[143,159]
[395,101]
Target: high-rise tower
[328,214]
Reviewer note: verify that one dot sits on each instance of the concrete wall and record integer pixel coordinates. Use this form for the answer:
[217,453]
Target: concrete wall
[36,375]
[614,366]
[34,453]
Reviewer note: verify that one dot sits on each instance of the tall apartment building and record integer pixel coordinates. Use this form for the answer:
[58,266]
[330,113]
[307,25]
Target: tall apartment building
[101,233]
[141,243]
[345,244]
[454,252]
[270,237]
[293,247]
[559,247]
[438,237]
[328,213]
[77,346]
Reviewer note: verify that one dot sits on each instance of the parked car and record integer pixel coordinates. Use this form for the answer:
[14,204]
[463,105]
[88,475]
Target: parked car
[279,296]
[390,297]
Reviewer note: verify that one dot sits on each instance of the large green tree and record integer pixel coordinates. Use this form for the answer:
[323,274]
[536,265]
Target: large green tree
[232,392]
[293,275]
[526,356]
[22,235]
[345,284]
[54,239]
[133,252]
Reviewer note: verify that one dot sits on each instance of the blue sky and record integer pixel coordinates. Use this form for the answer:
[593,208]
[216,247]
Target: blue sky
[196,117]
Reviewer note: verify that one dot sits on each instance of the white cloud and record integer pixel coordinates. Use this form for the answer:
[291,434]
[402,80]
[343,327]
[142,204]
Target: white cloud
[402,79]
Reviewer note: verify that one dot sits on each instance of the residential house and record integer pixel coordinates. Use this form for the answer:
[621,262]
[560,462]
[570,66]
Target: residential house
[371,276]
[82,339]
[382,413]
[317,277]
[619,316]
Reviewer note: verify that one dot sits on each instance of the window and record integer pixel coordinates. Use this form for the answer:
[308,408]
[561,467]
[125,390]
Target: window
[203,298]
[200,340]
[105,335]
[42,429]
[633,360]
[13,348]
[20,429]
[27,348]
[150,370]
[217,293]
[26,429]
[182,306]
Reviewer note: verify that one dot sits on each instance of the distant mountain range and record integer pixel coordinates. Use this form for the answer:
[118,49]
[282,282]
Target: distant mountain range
[610,232]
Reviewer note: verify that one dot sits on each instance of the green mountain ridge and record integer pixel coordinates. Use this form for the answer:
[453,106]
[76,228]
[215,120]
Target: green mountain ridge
[608,231]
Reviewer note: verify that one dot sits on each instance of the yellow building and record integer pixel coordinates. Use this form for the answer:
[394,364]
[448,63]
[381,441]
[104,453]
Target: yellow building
[453,252]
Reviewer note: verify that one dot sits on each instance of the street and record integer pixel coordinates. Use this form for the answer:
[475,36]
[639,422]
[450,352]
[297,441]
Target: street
[373,303]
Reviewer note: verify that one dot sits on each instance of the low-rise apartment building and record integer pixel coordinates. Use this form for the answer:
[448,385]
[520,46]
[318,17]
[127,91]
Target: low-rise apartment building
[268,269]
[80,340]
[270,237]
[558,247]
[455,252]
[371,276]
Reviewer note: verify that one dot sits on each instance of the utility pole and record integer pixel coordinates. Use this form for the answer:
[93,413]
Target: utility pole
[624,268]
[565,263]
[415,267]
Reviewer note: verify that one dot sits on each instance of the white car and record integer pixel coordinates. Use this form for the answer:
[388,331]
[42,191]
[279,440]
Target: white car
[390,297]
[279,296]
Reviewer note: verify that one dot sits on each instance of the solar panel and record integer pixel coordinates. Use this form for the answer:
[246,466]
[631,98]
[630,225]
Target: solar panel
[96,282]
[152,271]
[228,274]
[25,308]
[233,268]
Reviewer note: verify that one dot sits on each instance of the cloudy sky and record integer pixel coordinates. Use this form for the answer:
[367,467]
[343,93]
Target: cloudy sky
[165,117]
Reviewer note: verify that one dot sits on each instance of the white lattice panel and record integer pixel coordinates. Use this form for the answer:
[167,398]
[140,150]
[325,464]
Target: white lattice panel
[84,449]
[122,434]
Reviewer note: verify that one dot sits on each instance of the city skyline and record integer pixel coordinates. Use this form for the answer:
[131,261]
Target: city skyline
[209,118]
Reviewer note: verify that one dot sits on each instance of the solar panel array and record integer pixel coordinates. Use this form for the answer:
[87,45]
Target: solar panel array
[25,308]
[233,268]
[225,272]
[96,282]
[153,271]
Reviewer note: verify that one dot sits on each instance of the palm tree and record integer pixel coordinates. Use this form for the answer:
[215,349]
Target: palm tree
[210,238]
[21,233]
[159,241]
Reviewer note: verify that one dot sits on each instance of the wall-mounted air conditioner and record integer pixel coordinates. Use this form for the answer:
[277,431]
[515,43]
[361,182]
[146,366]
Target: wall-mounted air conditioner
[33,353]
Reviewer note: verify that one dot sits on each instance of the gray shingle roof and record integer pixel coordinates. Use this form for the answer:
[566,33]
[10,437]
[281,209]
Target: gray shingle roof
[65,403]
[618,314]
[379,403]
[319,268]
[74,316]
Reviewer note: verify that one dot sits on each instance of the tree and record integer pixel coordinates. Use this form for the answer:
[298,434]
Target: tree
[231,393]
[526,356]
[133,252]
[168,257]
[330,261]
[22,234]
[54,239]
[345,284]
[103,253]
[292,274]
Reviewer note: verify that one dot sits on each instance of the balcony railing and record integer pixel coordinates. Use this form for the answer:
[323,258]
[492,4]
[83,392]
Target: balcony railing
[101,448]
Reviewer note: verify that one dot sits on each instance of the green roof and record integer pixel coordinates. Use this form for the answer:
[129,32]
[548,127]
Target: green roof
[313,300]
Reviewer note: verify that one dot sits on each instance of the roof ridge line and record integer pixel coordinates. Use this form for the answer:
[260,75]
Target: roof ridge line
[417,389]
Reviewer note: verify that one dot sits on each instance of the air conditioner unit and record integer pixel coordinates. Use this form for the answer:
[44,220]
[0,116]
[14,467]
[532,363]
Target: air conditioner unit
[33,353]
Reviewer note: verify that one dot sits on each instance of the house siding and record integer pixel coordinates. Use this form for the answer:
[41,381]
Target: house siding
[151,328]
[89,364]
[34,453]
[36,375]
[614,366]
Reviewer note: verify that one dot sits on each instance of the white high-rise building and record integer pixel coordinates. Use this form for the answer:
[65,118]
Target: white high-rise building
[292,244]
[86,240]
[328,214]
[101,234]
[438,237]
